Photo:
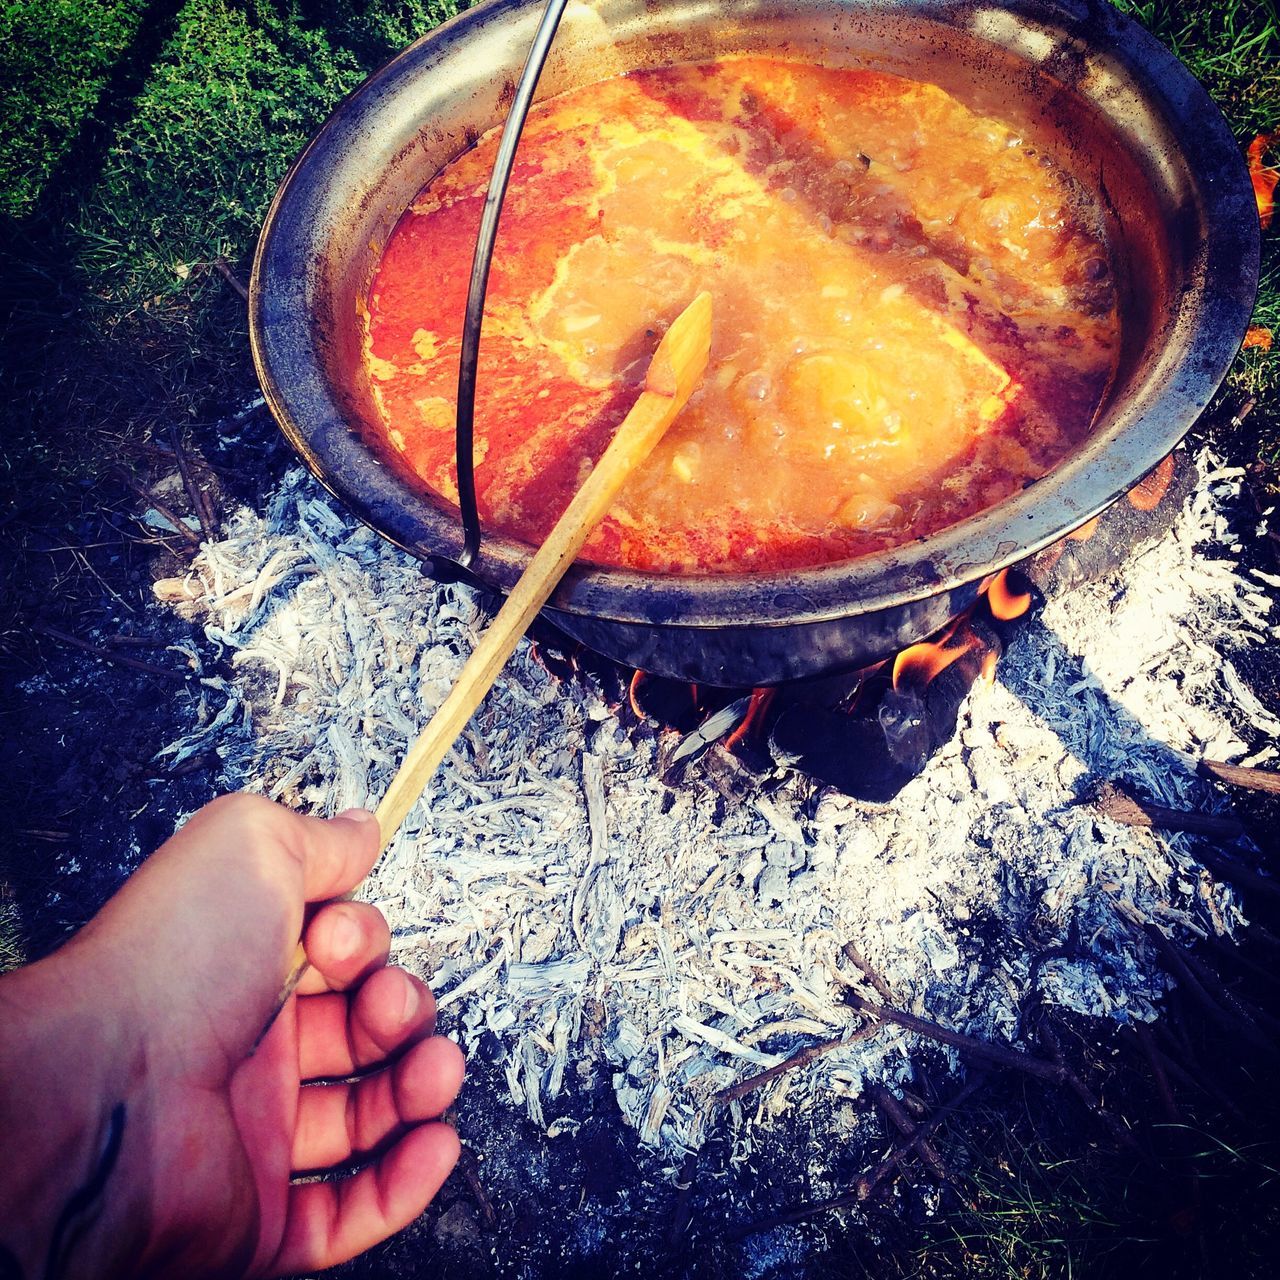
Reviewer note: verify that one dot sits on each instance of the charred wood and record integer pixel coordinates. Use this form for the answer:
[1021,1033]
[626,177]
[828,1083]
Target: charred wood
[1238,775]
[1121,806]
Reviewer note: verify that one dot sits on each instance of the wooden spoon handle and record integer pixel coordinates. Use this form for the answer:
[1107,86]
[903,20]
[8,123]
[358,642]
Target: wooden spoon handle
[674,371]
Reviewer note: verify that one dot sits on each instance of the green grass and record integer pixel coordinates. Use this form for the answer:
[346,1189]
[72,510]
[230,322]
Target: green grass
[59,56]
[1230,46]
[1233,48]
[1039,1201]
[145,138]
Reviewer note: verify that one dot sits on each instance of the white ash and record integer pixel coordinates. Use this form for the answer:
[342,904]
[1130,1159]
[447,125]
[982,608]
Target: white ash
[558,896]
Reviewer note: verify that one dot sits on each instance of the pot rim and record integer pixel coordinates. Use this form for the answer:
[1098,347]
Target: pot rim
[1127,443]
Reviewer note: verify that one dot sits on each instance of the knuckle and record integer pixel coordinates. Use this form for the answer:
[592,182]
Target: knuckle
[253,826]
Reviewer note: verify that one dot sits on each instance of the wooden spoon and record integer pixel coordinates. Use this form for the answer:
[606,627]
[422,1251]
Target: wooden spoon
[675,370]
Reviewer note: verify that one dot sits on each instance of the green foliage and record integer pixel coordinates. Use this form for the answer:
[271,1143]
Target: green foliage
[189,162]
[142,140]
[57,55]
[228,105]
[1231,46]
[373,32]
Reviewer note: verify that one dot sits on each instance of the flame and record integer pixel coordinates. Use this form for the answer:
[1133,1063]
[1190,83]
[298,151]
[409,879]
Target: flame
[1264,179]
[1085,531]
[918,664]
[759,704]
[1005,603]
[1146,494]
[1257,336]
[989,660]
[632,690]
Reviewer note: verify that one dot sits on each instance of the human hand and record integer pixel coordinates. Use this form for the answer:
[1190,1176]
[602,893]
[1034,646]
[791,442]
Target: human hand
[145,1024]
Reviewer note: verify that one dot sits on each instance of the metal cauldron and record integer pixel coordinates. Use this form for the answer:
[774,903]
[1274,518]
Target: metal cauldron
[1134,125]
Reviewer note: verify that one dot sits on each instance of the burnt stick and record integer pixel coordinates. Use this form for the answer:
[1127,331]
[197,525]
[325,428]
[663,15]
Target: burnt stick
[878,984]
[1164,1090]
[107,655]
[1176,958]
[199,499]
[802,1058]
[469,1167]
[1120,806]
[184,531]
[223,268]
[1082,1090]
[684,1203]
[897,1116]
[1239,875]
[867,1184]
[1241,775]
[993,1055]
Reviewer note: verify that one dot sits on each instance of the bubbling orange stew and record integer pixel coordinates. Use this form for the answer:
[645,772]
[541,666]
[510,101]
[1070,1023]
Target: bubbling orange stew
[914,314]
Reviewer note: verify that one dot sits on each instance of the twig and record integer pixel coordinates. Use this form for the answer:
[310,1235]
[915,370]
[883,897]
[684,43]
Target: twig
[1081,1090]
[878,984]
[1213,982]
[684,1198]
[180,526]
[199,499]
[867,1184]
[897,1116]
[1178,960]
[137,642]
[993,1055]
[192,764]
[1239,875]
[1203,1081]
[1260,933]
[223,268]
[1239,775]
[1174,1119]
[1142,1033]
[1234,952]
[469,1167]
[108,656]
[802,1058]
[1120,806]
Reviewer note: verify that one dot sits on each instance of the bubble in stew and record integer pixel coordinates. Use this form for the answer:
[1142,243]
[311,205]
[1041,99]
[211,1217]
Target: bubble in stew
[914,314]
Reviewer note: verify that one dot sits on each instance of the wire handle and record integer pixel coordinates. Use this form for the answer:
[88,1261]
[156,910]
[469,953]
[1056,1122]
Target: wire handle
[485,239]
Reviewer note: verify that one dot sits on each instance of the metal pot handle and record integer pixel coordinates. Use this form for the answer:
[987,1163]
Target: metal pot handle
[485,238]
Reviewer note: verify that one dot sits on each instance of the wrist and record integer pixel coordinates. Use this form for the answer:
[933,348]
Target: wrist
[72,1111]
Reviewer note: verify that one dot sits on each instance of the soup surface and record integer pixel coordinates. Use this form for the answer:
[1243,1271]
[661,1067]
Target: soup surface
[914,314]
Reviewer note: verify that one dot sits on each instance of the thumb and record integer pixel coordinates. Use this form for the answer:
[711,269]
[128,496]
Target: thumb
[336,853]
[310,858]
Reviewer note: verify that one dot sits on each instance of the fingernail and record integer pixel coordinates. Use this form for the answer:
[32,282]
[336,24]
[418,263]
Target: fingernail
[412,1002]
[354,815]
[345,936]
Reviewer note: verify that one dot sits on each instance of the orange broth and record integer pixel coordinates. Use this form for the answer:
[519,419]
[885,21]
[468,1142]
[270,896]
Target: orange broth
[914,314]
